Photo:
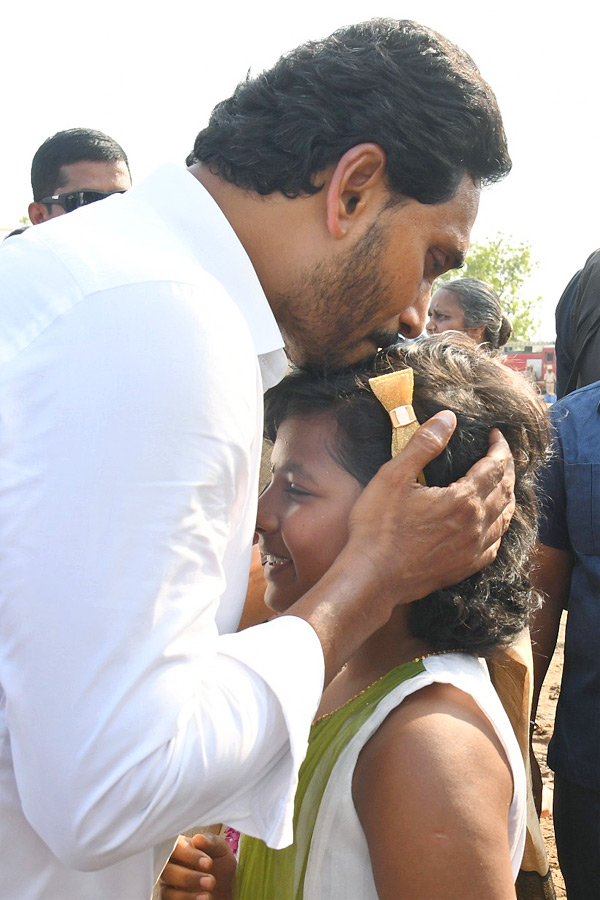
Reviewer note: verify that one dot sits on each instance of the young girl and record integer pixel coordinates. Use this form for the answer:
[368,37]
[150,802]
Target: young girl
[413,785]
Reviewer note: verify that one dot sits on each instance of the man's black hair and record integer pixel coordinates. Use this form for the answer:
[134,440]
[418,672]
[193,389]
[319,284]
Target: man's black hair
[66,147]
[393,83]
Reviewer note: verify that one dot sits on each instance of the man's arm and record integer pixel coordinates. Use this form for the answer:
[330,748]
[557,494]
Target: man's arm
[128,506]
[552,563]
[551,575]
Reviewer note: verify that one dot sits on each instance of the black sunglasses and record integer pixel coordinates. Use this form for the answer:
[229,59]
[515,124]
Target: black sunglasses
[75,199]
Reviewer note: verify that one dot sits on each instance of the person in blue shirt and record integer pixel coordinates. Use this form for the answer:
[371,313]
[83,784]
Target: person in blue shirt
[578,329]
[568,573]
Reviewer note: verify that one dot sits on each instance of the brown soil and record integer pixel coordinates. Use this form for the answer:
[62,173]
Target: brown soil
[541,737]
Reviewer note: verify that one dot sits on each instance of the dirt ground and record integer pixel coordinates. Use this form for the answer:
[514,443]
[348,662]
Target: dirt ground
[542,735]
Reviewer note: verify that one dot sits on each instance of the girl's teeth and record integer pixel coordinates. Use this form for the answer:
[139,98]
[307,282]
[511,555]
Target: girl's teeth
[271,560]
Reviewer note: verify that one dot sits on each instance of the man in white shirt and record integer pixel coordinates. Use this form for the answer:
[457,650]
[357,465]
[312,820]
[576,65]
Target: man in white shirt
[136,338]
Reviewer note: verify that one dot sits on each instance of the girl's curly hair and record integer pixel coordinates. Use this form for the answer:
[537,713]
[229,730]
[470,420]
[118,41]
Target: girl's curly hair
[488,609]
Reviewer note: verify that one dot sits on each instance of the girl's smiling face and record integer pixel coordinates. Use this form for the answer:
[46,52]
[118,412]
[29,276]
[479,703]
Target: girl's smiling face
[302,519]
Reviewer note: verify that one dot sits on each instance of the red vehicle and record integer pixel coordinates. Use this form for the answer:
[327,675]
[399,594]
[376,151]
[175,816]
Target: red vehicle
[537,361]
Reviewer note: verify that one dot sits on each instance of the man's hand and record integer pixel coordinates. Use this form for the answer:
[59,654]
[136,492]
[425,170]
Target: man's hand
[406,540]
[200,868]
[419,539]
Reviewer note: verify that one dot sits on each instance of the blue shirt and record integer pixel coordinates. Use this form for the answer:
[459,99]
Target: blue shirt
[570,520]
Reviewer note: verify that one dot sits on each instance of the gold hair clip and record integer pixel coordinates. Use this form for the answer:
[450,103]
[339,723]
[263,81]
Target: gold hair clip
[395,393]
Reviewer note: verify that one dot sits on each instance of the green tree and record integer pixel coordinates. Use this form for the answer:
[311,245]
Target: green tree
[505,264]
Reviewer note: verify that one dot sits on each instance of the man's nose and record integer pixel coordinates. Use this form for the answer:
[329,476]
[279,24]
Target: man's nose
[412,320]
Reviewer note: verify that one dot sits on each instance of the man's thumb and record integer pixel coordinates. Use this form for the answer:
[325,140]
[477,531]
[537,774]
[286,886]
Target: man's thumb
[428,442]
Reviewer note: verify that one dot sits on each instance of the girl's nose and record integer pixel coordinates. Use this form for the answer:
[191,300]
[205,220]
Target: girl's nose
[266,520]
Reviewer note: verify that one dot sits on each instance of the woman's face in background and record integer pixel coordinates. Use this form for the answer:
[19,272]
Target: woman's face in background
[446,314]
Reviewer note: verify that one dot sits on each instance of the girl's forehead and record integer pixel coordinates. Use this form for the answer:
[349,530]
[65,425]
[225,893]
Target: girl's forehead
[305,452]
[309,445]
[305,435]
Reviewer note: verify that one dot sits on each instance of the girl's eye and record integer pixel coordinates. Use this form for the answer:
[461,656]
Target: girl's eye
[296,491]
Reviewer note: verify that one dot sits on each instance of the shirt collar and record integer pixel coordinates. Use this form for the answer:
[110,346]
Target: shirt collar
[186,205]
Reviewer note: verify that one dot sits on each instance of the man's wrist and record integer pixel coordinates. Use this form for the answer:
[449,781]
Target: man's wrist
[345,607]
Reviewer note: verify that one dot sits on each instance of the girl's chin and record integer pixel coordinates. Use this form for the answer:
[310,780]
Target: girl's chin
[278,604]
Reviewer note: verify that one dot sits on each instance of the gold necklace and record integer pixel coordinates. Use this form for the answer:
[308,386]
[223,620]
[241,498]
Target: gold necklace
[417,659]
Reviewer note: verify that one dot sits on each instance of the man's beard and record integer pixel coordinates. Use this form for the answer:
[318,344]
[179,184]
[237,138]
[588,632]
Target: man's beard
[328,313]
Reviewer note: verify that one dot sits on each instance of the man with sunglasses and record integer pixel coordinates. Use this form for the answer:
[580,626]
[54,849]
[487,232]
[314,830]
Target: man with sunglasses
[73,168]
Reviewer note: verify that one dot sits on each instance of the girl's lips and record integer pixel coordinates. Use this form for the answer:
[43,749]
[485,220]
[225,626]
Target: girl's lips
[273,561]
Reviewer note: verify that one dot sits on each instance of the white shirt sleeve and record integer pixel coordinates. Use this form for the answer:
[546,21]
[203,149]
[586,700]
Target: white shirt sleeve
[129,447]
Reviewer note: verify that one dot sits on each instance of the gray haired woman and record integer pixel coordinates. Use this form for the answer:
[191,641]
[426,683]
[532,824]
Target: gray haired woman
[471,306]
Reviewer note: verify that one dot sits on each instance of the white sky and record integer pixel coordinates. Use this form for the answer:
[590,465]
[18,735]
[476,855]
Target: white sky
[149,74]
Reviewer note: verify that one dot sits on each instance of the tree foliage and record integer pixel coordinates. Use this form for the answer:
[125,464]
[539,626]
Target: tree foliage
[506,264]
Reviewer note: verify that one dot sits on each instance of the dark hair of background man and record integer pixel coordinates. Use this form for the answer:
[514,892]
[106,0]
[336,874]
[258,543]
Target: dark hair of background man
[66,147]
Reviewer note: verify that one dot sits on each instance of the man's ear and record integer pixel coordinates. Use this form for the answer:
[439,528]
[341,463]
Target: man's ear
[37,212]
[357,185]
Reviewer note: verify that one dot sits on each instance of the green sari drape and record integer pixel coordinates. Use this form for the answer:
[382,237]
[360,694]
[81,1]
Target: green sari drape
[265,874]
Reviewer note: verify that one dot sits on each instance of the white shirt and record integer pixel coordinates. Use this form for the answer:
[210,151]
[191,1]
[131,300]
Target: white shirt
[130,429]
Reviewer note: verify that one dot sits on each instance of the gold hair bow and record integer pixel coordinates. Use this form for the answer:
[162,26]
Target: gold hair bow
[395,392]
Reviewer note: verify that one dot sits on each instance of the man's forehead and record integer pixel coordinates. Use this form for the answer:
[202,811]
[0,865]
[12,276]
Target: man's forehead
[455,215]
[96,175]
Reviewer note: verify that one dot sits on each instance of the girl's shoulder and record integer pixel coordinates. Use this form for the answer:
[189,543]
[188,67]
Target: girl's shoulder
[436,777]
[440,726]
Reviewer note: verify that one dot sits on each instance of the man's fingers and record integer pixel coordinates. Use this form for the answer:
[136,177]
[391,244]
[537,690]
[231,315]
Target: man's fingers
[196,852]
[500,451]
[426,444]
[492,480]
[498,445]
[182,878]
[185,853]
[173,893]
[212,844]
[491,483]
